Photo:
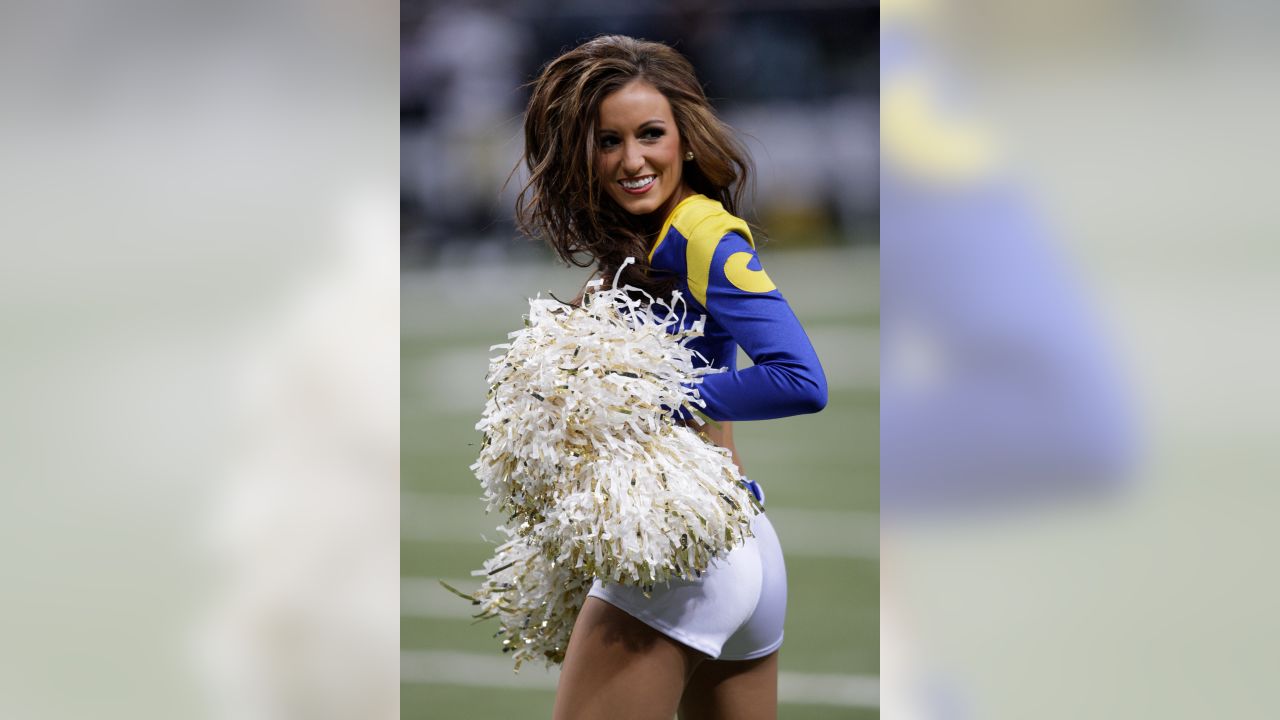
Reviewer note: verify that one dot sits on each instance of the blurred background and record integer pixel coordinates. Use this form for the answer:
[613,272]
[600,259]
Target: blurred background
[798,81]
[1078,270]
[199,438]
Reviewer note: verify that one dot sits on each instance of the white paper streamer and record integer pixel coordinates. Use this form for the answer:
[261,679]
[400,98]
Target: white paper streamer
[584,459]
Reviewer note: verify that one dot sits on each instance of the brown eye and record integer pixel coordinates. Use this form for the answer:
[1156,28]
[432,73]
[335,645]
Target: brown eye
[608,141]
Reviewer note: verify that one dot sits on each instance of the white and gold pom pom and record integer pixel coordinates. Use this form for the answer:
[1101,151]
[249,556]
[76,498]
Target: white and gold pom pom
[584,459]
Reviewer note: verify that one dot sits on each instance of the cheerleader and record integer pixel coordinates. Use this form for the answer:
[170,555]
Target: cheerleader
[627,159]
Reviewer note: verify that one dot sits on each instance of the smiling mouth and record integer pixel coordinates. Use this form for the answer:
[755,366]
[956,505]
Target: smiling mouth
[638,185]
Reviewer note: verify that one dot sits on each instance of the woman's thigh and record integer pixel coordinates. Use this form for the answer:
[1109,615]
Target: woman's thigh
[618,667]
[733,690]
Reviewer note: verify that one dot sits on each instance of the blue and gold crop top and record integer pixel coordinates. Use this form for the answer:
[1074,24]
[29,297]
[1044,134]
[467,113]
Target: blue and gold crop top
[712,254]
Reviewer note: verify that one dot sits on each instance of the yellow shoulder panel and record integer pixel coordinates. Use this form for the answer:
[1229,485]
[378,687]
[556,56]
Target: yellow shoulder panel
[703,222]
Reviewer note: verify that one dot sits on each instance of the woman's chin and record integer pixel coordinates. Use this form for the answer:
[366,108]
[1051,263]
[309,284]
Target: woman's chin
[639,204]
[638,207]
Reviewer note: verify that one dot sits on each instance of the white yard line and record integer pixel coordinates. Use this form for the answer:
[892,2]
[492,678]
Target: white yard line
[494,671]
[431,517]
[841,690]
[445,667]
[425,598]
[804,533]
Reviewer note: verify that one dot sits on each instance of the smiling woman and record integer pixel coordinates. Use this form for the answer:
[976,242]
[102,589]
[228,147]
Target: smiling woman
[640,111]
[653,200]
[639,157]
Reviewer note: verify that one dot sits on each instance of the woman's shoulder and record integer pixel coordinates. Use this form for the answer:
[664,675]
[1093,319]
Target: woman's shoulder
[690,237]
[700,220]
[694,228]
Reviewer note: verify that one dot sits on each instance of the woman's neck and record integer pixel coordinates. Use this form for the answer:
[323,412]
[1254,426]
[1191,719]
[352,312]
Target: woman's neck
[658,217]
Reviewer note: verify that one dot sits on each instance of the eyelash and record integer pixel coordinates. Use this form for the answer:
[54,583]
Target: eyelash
[609,141]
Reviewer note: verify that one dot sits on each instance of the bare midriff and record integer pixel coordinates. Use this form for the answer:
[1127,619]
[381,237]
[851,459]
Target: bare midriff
[721,433]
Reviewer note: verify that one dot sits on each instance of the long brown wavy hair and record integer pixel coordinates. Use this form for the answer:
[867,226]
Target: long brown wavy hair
[563,202]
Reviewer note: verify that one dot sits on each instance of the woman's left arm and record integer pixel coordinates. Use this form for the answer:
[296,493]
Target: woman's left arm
[786,378]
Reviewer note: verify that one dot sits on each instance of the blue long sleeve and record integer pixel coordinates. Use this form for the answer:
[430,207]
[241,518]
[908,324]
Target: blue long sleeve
[712,254]
[786,377]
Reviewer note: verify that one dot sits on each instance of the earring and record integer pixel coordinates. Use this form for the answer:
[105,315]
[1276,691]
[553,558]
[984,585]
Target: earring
[688,155]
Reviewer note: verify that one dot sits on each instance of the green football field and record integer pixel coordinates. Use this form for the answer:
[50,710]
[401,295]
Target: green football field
[820,473]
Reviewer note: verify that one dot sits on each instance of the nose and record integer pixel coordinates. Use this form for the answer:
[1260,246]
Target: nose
[632,158]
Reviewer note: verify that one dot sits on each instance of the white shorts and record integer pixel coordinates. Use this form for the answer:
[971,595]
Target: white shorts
[734,611]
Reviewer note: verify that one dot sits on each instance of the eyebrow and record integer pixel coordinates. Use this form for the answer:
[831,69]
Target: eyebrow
[643,125]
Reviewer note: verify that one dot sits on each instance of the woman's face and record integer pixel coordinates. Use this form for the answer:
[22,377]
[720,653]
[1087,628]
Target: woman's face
[638,150]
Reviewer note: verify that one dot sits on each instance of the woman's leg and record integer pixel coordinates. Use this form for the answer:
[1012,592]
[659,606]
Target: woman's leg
[733,690]
[618,668]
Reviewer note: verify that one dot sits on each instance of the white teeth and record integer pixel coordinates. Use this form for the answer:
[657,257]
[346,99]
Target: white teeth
[637,184]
